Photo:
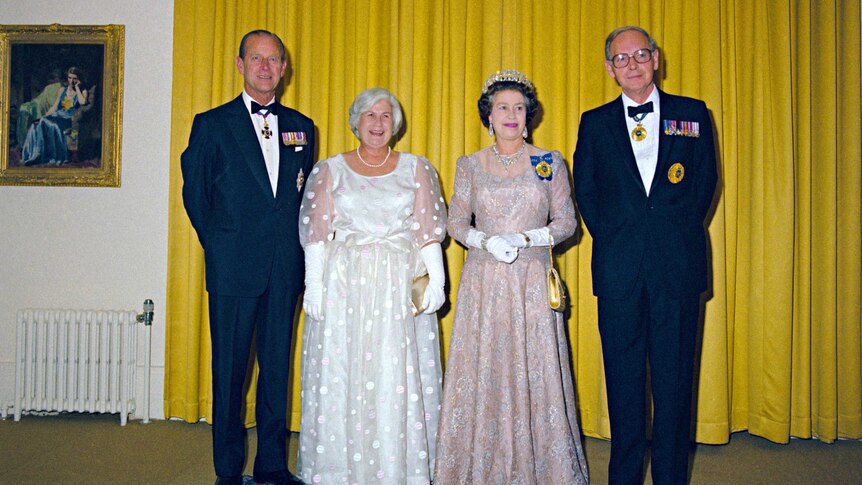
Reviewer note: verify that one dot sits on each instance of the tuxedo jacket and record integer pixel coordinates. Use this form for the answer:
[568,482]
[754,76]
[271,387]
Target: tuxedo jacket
[661,237]
[242,227]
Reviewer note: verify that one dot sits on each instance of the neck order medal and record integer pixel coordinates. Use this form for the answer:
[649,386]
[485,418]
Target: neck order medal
[638,113]
[265,131]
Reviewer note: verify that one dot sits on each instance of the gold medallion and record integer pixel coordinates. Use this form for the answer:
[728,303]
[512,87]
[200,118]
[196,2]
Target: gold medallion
[300,179]
[639,133]
[676,173]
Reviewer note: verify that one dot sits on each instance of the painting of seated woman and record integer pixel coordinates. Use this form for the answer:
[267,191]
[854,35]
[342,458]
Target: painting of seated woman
[53,139]
[62,107]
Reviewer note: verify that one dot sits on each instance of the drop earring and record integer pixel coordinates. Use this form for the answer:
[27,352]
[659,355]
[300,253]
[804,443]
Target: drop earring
[490,130]
[525,133]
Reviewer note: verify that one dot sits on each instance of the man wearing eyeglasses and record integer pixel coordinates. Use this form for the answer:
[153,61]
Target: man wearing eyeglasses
[645,176]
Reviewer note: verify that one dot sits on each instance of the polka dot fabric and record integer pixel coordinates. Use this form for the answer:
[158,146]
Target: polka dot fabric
[371,375]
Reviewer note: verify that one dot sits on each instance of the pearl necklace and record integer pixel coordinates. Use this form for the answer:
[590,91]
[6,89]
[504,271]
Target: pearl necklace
[507,160]
[371,165]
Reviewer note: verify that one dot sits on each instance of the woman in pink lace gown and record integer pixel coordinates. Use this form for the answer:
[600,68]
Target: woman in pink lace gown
[509,414]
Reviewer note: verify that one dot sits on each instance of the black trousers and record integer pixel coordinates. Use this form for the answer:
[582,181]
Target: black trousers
[233,322]
[659,328]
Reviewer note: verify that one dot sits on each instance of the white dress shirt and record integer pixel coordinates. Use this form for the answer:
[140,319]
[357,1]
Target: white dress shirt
[269,147]
[646,150]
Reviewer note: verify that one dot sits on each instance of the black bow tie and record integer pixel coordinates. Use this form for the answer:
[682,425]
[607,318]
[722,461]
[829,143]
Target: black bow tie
[256,108]
[642,109]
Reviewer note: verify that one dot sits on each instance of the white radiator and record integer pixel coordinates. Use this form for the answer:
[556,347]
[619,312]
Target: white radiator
[75,360]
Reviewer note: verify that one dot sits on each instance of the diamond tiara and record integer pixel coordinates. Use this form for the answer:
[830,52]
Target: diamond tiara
[507,75]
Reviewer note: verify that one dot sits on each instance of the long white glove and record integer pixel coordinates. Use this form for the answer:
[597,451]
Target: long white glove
[312,302]
[516,240]
[475,238]
[540,237]
[501,249]
[432,256]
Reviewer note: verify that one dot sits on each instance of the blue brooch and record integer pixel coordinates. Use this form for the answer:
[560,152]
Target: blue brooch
[542,165]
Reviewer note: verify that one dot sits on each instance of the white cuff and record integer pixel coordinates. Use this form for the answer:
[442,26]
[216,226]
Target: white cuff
[540,237]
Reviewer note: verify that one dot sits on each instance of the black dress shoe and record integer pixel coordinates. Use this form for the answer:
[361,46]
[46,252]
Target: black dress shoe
[283,477]
[293,479]
[228,481]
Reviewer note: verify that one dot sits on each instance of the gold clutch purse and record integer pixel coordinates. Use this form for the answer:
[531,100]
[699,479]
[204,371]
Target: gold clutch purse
[417,293]
[556,291]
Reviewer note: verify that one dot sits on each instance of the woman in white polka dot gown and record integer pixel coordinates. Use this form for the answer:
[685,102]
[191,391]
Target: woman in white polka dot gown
[372,219]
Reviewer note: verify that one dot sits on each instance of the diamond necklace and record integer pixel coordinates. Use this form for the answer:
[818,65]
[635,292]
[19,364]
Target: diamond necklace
[370,164]
[507,160]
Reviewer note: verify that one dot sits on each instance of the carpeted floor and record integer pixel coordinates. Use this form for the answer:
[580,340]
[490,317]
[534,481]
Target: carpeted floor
[95,449]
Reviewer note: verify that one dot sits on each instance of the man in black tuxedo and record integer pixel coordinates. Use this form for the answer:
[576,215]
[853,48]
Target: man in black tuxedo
[244,173]
[645,175]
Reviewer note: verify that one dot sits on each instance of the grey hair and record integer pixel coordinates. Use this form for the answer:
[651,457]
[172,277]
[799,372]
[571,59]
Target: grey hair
[613,35]
[368,98]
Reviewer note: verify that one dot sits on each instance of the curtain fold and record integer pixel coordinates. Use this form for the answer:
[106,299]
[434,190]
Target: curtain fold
[781,351]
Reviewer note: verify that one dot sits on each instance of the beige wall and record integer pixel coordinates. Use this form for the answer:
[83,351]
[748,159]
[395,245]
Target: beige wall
[97,248]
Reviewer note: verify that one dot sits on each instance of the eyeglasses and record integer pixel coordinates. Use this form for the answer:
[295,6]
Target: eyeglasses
[640,56]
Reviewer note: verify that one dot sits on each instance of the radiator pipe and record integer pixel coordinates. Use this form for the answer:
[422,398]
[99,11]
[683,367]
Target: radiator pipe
[147,319]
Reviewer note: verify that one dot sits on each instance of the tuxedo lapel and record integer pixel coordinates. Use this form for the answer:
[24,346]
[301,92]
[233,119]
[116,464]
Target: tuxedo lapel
[289,160]
[665,142]
[242,129]
[619,137]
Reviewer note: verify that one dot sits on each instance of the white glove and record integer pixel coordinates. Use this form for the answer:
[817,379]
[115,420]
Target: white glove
[540,237]
[475,238]
[432,256]
[312,302]
[501,250]
[516,240]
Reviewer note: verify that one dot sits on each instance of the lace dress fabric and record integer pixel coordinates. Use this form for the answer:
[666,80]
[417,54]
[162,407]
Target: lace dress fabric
[509,414]
[370,371]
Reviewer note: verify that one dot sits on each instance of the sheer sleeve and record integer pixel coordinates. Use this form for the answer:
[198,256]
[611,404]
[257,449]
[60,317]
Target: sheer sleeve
[563,222]
[429,209]
[461,205]
[317,208]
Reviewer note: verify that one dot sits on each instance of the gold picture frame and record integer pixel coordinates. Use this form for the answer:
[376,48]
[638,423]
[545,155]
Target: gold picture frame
[61,99]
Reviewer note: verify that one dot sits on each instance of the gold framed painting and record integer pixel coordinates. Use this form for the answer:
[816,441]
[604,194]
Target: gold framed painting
[61,99]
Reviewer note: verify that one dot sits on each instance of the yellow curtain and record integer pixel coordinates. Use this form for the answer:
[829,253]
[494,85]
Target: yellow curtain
[781,335]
